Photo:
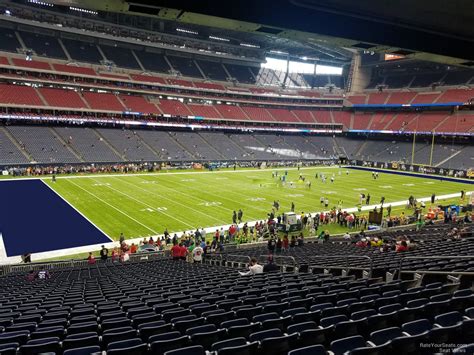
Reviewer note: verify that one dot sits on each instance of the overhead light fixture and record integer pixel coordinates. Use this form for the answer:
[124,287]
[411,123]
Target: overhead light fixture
[250,45]
[42,3]
[278,52]
[184,30]
[219,39]
[90,12]
[304,58]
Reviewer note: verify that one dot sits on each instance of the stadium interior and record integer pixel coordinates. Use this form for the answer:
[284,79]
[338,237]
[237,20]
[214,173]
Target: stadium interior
[117,86]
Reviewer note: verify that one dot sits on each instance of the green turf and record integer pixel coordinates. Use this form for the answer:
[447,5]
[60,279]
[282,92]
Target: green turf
[145,205]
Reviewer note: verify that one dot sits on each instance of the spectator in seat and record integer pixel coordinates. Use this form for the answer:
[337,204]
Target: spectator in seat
[286,243]
[279,245]
[176,251]
[362,243]
[376,242]
[183,251]
[104,253]
[197,254]
[254,268]
[91,259]
[43,274]
[270,266]
[293,241]
[31,275]
[300,240]
[133,248]
[271,245]
[402,247]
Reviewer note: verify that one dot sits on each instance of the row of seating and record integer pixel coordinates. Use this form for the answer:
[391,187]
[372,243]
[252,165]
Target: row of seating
[153,307]
[408,97]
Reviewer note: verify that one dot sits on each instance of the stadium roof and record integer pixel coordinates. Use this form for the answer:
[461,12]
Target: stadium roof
[433,30]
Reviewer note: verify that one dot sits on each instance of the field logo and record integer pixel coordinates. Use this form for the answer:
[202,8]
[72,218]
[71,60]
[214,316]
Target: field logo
[210,204]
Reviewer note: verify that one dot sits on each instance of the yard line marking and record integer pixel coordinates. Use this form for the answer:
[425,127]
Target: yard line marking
[115,208]
[87,219]
[238,193]
[148,205]
[172,201]
[221,197]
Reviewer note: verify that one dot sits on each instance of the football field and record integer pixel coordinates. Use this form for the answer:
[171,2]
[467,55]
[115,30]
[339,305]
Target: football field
[146,204]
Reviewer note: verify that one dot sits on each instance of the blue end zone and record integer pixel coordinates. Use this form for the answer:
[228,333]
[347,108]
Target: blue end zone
[33,218]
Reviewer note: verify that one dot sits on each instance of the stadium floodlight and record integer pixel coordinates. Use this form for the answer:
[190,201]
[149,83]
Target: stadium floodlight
[8,12]
[184,30]
[42,3]
[219,39]
[90,12]
[250,45]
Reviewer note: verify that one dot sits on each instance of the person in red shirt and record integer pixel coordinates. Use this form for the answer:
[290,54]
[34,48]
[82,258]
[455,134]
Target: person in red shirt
[176,251]
[403,246]
[184,252]
[91,259]
[286,243]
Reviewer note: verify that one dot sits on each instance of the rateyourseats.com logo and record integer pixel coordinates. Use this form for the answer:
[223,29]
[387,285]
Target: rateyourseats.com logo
[442,348]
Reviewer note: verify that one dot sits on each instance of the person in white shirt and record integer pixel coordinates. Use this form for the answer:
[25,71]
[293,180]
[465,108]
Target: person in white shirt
[197,254]
[254,268]
[347,236]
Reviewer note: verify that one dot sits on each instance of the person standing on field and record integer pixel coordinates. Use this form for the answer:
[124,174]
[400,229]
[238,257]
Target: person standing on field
[234,217]
[239,215]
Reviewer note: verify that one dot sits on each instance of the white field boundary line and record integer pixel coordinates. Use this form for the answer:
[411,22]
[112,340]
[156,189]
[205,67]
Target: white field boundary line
[95,248]
[3,250]
[115,208]
[165,173]
[75,209]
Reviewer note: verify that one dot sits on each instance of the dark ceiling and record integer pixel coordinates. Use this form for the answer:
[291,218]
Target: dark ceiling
[437,27]
[434,30]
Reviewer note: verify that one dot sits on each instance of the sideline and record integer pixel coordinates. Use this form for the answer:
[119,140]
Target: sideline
[96,247]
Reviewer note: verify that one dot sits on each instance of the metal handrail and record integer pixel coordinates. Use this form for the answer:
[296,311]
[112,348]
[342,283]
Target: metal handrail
[61,264]
[347,257]
[238,256]
[277,257]
[434,257]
